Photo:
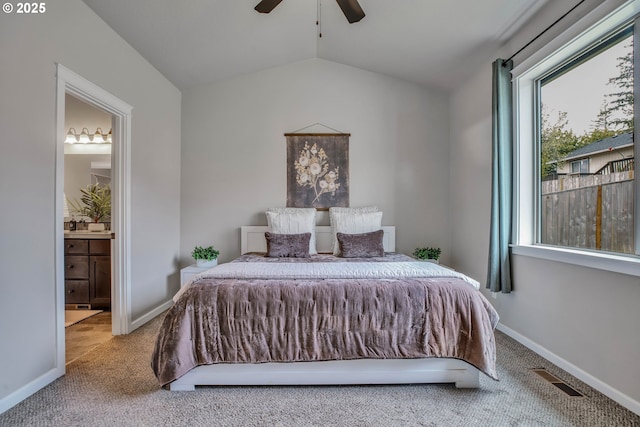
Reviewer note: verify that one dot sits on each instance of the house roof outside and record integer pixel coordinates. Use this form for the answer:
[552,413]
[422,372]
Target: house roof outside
[607,144]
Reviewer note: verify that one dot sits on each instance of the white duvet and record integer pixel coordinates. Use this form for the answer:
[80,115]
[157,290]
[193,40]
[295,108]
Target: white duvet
[328,270]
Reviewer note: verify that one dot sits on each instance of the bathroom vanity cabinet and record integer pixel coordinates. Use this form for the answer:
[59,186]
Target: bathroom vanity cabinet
[87,270]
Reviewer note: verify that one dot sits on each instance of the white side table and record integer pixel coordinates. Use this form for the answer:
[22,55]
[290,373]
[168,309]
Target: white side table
[188,272]
[435,262]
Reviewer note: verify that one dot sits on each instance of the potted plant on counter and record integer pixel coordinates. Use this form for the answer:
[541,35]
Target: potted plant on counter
[94,203]
[205,257]
[428,254]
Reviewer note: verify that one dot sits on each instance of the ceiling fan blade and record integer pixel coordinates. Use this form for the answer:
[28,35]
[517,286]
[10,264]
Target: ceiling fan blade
[351,9]
[266,6]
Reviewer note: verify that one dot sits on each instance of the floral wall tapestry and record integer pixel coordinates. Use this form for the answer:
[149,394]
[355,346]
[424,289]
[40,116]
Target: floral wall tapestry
[317,170]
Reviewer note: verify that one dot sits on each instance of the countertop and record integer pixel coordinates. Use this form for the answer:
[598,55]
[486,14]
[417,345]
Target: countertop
[87,234]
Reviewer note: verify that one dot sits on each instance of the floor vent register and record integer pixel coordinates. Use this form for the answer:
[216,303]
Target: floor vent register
[544,374]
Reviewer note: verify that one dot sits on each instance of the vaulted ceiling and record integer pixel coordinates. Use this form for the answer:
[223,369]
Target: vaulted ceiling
[431,42]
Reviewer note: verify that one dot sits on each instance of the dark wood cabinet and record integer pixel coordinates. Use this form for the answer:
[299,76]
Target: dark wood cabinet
[76,246]
[76,292]
[88,273]
[100,282]
[76,267]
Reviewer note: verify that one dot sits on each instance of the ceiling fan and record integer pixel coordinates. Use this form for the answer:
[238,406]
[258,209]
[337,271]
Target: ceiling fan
[351,9]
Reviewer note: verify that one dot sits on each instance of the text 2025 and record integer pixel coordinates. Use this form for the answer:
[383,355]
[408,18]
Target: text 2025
[31,7]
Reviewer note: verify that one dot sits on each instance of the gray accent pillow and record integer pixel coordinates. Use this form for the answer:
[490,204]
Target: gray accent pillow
[362,245]
[287,245]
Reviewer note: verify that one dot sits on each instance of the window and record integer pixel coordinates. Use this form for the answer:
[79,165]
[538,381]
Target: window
[580,167]
[575,118]
[586,107]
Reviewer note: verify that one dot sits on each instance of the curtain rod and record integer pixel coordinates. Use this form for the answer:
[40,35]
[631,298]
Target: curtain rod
[543,31]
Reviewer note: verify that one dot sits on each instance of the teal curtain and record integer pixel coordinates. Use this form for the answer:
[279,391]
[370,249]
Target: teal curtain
[499,274]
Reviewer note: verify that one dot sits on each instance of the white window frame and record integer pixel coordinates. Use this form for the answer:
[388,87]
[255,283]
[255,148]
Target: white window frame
[583,166]
[599,23]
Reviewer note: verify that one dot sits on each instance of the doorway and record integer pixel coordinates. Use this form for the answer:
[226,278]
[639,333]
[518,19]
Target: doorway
[87,227]
[119,114]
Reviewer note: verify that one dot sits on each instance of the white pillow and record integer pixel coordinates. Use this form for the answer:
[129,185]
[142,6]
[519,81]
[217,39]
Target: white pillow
[339,209]
[293,221]
[354,223]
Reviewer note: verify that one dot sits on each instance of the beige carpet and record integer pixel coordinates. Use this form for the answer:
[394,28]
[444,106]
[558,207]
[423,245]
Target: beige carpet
[113,385]
[72,317]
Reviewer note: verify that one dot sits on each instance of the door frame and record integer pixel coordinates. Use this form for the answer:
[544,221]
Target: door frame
[71,83]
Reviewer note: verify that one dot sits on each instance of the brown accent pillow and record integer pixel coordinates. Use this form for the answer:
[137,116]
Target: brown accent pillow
[362,245]
[287,245]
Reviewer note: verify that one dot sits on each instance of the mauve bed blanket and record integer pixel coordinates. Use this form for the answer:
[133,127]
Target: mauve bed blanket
[267,320]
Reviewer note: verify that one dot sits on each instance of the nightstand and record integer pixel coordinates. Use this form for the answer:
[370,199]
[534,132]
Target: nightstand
[435,262]
[439,263]
[187,273]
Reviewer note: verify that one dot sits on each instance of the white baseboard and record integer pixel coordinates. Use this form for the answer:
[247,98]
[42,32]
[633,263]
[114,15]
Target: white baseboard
[150,315]
[27,390]
[22,393]
[602,387]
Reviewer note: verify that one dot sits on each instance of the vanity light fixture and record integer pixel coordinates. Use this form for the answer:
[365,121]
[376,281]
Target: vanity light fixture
[72,137]
[85,137]
[97,137]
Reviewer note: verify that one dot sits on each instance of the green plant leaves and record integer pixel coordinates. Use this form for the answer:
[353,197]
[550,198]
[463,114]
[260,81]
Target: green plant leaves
[208,253]
[427,253]
[94,203]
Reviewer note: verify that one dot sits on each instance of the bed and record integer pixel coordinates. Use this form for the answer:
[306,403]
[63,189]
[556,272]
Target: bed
[287,343]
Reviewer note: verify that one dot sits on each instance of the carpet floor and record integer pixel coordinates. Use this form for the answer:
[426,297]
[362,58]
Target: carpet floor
[113,385]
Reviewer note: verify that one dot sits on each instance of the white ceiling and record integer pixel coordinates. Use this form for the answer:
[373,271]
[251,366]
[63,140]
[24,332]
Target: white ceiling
[431,42]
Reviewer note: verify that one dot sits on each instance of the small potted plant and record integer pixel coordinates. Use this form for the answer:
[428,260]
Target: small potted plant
[205,257]
[428,254]
[94,203]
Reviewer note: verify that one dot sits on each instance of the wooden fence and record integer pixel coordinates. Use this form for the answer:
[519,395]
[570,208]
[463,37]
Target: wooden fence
[594,212]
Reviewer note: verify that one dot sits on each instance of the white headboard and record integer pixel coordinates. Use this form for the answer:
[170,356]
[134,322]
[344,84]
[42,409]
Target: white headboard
[252,238]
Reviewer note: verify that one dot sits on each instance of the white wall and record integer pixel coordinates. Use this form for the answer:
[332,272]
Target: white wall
[79,114]
[30,45]
[587,318]
[234,151]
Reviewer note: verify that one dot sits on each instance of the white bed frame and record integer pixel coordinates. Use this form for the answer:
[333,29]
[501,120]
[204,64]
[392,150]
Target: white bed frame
[360,371]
